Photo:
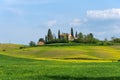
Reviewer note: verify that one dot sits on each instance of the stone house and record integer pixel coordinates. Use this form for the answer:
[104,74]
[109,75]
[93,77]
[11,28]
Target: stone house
[67,36]
[40,43]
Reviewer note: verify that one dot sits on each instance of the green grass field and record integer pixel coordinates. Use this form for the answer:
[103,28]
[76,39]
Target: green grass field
[59,63]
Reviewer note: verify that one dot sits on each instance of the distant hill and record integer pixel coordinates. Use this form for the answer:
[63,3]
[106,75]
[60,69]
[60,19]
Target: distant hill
[9,46]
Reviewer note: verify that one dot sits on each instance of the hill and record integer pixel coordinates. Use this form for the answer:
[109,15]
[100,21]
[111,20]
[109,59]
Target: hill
[13,68]
[64,52]
[59,63]
[9,46]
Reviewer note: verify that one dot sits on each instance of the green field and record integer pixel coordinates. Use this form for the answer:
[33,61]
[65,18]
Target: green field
[59,63]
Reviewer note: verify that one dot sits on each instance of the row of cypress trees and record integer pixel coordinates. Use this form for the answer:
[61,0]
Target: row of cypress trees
[79,38]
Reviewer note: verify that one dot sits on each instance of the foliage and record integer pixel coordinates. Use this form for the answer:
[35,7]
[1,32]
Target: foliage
[116,40]
[76,34]
[32,44]
[59,34]
[23,46]
[41,40]
[79,38]
[49,36]
[72,32]
[3,50]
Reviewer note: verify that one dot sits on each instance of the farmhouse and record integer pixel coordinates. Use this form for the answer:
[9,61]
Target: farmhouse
[40,43]
[67,36]
[70,37]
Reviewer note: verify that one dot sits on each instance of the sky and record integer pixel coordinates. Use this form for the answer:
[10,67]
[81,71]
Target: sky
[24,20]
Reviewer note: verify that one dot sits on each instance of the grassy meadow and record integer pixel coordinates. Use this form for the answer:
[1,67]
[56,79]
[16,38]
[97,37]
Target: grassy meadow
[59,62]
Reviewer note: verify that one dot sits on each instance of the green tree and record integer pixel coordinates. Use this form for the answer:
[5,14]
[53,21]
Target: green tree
[41,40]
[80,37]
[65,38]
[32,44]
[90,38]
[46,39]
[115,40]
[72,32]
[59,34]
[91,35]
[76,35]
[49,35]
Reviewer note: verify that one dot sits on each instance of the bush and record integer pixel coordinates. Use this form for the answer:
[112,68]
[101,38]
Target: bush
[22,47]
[32,44]
[3,50]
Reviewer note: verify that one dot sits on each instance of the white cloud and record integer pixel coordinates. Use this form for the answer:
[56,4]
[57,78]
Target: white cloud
[75,22]
[104,14]
[51,23]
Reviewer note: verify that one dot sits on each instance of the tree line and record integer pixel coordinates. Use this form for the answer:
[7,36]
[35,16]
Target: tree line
[74,38]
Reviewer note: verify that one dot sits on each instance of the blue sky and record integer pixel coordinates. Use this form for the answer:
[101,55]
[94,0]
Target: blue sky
[24,20]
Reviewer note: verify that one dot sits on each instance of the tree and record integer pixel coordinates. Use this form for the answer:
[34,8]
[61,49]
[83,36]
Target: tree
[115,40]
[41,40]
[64,38]
[105,40]
[72,32]
[91,35]
[59,34]
[32,44]
[76,35]
[80,37]
[49,35]
[54,36]
[89,38]
[46,39]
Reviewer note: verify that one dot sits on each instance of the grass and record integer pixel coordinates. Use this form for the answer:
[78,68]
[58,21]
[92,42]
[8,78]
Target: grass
[71,52]
[9,47]
[12,68]
[59,63]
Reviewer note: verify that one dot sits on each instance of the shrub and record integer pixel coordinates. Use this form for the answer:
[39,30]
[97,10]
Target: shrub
[32,44]
[3,50]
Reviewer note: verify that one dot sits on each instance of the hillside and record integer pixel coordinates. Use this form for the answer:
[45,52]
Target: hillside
[64,53]
[13,68]
[9,46]
[59,63]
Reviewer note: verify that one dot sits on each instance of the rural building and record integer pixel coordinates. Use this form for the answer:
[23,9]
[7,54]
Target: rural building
[67,36]
[70,37]
[40,43]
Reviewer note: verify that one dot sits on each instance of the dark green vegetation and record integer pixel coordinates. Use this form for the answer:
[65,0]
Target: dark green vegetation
[59,63]
[68,38]
[79,38]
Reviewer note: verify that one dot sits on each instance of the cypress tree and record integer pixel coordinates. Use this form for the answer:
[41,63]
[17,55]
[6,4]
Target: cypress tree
[76,35]
[72,33]
[59,34]
[49,35]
